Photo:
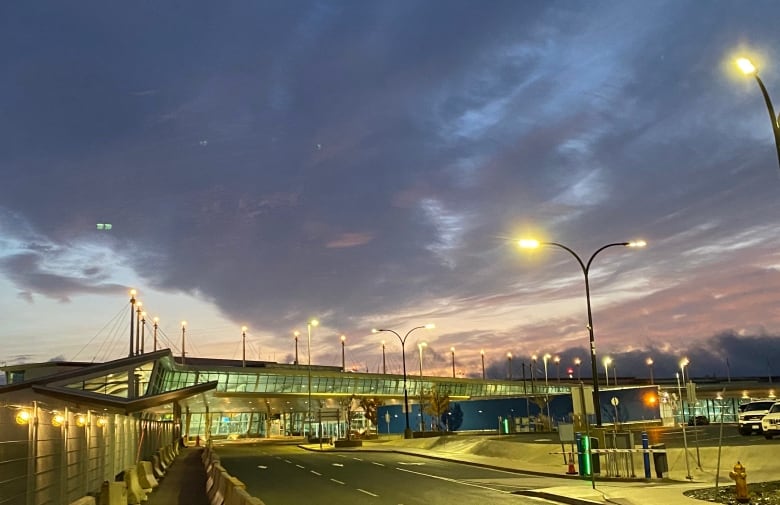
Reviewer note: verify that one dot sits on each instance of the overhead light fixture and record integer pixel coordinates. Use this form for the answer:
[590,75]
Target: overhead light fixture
[57,420]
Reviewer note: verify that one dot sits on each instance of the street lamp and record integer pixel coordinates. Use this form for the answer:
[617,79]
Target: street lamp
[607,361]
[143,330]
[557,361]
[138,305]
[452,351]
[482,353]
[649,362]
[183,341]
[156,324]
[533,373]
[313,323]
[684,363]
[243,346]
[296,334]
[343,363]
[407,430]
[545,358]
[509,364]
[586,270]
[421,346]
[384,362]
[578,362]
[747,68]
[132,315]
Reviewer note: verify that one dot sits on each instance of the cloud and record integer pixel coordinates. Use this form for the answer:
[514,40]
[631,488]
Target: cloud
[350,240]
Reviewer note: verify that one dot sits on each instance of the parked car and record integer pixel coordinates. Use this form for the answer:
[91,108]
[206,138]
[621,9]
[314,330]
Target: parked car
[770,423]
[699,421]
[750,417]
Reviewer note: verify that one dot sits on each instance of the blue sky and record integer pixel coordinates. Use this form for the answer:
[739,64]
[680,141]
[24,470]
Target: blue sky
[371,163]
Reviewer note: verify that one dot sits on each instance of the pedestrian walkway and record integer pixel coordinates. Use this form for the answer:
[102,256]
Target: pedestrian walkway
[185,481]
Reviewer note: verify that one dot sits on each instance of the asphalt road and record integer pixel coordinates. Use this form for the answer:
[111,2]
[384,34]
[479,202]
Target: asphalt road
[286,474]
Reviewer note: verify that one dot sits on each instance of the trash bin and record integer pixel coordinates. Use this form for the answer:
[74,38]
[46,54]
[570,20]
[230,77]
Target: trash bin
[660,461]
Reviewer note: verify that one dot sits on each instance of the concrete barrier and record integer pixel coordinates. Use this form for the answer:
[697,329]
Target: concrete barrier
[146,475]
[113,493]
[159,472]
[135,493]
[241,497]
[84,500]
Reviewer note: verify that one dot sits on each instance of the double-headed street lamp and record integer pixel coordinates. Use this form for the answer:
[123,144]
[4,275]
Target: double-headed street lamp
[586,270]
[748,68]
[407,430]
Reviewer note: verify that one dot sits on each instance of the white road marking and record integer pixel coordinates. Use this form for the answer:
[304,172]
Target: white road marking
[367,492]
[337,464]
[287,461]
[377,464]
[357,459]
[337,481]
[300,466]
[341,456]
[410,463]
[315,473]
[453,480]
[262,466]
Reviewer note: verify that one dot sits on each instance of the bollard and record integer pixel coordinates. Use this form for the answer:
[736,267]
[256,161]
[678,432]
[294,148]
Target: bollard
[739,475]
[646,455]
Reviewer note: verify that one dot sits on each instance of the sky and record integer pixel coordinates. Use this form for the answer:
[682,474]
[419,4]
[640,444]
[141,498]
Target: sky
[372,164]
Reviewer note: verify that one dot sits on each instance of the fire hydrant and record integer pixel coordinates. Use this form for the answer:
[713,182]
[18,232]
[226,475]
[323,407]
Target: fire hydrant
[740,478]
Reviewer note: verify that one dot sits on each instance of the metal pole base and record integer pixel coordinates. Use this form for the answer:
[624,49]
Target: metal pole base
[408,433]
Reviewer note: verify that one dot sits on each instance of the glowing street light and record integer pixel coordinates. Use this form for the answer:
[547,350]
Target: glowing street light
[546,358]
[748,68]
[509,364]
[607,362]
[529,243]
[482,354]
[578,362]
[557,361]
[408,429]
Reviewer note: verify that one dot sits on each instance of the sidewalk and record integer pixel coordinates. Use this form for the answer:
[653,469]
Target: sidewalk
[537,459]
[185,482]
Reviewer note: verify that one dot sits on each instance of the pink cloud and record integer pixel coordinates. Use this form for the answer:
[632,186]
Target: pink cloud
[350,240]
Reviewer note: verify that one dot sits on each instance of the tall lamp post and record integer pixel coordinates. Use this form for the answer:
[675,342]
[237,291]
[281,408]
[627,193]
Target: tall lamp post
[156,325]
[607,362]
[243,346]
[533,373]
[747,68]
[546,358]
[649,362]
[557,361]
[138,305]
[586,270]
[509,365]
[132,315]
[343,362]
[452,351]
[183,325]
[143,330]
[296,334]
[578,362]
[407,430]
[421,346]
[384,361]
[313,323]
[482,354]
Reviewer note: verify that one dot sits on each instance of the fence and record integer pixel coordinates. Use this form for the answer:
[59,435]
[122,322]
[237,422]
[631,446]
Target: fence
[51,456]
